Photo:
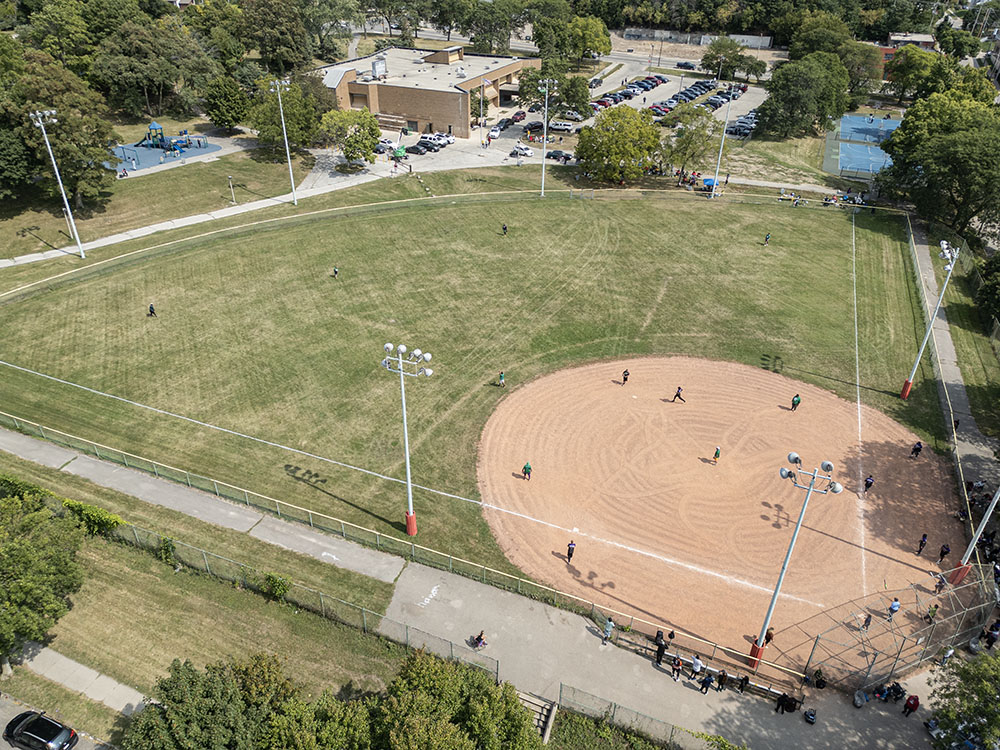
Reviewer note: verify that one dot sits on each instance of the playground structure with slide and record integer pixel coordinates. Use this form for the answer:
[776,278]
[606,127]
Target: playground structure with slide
[155,148]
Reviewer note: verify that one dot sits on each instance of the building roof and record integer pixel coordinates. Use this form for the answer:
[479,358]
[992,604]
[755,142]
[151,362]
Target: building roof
[907,38]
[408,67]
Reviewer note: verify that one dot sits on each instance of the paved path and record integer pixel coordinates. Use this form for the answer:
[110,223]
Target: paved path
[538,646]
[82,679]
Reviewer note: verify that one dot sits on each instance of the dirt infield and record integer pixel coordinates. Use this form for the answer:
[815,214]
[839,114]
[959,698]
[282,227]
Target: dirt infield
[665,533]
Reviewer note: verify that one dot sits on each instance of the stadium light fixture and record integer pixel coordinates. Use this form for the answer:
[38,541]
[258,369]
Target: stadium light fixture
[277,86]
[40,118]
[832,487]
[397,360]
[950,254]
[546,84]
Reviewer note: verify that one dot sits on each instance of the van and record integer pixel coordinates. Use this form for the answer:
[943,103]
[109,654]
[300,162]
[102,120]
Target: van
[561,126]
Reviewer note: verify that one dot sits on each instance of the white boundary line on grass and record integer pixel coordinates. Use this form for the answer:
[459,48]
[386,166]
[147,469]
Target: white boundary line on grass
[857,386]
[676,563]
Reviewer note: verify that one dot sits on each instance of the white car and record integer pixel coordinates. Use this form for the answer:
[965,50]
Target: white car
[574,115]
[446,137]
[387,141]
[561,126]
[521,150]
[495,132]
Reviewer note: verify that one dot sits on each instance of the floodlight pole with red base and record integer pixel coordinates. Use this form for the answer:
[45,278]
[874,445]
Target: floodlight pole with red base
[411,366]
[951,253]
[958,574]
[757,648]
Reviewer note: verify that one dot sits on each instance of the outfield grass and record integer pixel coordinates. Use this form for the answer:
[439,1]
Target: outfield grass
[65,705]
[141,200]
[134,615]
[255,336]
[267,558]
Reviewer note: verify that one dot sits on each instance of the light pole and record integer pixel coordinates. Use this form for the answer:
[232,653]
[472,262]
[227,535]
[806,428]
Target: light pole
[40,118]
[757,649]
[959,574]
[548,82]
[722,143]
[277,86]
[949,254]
[482,94]
[231,191]
[412,366]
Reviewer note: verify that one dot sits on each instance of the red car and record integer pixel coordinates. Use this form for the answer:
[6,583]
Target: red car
[519,115]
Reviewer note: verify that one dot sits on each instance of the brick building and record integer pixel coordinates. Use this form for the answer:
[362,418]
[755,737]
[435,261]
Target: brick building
[424,90]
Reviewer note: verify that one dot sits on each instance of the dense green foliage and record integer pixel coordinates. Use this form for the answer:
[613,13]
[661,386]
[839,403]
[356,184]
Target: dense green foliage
[96,521]
[619,145]
[964,700]
[692,134]
[354,131]
[250,704]
[565,92]
[805,95]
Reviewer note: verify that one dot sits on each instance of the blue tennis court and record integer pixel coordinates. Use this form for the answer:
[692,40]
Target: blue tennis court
[866,129]
[861,158]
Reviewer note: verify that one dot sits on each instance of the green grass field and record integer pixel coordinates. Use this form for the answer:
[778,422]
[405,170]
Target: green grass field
[255,336]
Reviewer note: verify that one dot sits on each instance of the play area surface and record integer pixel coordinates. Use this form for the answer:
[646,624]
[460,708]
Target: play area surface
[158,148]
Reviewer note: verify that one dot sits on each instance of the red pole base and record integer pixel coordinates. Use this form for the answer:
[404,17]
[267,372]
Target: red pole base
[958,574]
[411,524]
[906,389]
[755,653]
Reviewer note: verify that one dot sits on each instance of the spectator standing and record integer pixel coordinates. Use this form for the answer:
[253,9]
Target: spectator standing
[696,667]
[706,683]
[609,627]
[723,679]
[675,667]
[911,705]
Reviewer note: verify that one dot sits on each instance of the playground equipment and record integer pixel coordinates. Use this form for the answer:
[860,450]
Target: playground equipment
[171,144]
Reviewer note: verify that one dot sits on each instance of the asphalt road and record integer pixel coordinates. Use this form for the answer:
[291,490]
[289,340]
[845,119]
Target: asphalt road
[9,708]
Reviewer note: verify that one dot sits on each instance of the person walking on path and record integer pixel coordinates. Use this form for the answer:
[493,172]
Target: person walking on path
[915,450]
[767,239]
[911,705]
[675,668]
[624,377]
[696,666]
[706,683]
[945,550]
[500,381]
[931,613]
[893,609]
[609,627]
[570,549]
[718,452]
[869,481]
[796,400]
[949,652]
[723,679]
[504,230]
[526,471]
[152,312]
[677,395]
[866,623]
[922,544]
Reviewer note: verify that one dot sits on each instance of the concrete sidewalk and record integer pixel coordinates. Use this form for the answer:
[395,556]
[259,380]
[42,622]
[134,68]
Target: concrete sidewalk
[538,646]
[82,679]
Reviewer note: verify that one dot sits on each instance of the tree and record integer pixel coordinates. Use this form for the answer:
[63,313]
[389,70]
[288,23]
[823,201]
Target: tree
[956,43]
[219,25]
[277,30]
[588,34]
[104,17]
[226,104]
[329,23]
[805,95]
[819,31]
[752,66]
[947,75]
[475,100]
[301,120]
[59,29]
[38,567]
[723,57]
[692,134]
[988,295]
[946,159]
[907,68]
[567,93]
[448,15]
[863,63]
[619,144]
[552,37]
[964,698]
[491,22]
[354,131]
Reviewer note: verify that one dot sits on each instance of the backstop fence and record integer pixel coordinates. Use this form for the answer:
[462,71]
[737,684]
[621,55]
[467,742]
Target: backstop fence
[177,553]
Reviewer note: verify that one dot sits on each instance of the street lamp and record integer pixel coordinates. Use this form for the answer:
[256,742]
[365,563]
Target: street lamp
[722,143]
[412,365]
[547,83]
[483,82]
[949,254]
[40,118]
[277,86]
[231,191]
[833,487]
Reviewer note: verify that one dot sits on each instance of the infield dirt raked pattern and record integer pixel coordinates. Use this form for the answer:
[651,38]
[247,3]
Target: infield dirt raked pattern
[664,533]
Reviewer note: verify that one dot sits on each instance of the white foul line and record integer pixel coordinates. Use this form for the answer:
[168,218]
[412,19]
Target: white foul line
[857,385]
[619,545]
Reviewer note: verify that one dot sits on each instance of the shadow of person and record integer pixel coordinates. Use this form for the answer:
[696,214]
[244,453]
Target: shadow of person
[617,382]
[517,475]
[706,460]
[560,555]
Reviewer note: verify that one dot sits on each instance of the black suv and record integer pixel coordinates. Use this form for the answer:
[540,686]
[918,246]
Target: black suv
[34,731]
[532,126]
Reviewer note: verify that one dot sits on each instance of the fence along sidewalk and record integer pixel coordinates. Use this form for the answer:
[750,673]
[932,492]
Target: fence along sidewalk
[175,552]
[766,670]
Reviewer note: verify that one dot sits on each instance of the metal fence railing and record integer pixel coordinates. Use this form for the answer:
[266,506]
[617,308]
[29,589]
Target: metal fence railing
[581,702]
[333,608]
[767,671]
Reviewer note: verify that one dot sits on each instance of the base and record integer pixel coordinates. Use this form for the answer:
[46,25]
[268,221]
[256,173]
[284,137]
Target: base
[755,653]
[411,524]
[958,574]
[906,389]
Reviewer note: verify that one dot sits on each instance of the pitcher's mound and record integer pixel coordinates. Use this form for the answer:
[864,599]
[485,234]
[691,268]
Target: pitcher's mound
[666,533]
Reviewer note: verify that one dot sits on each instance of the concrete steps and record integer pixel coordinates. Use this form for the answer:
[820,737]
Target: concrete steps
[543,713]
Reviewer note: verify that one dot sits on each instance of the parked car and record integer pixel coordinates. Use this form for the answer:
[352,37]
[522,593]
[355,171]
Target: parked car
[504,122]
[530,127]
[685,65]
[557,154]
[387,141]
[416,148]
[536,107]
[574,116]
[381,148]
[445,139]
[519,115]
[627,93]
[495,132]
[521,150]
[35,731]
[595,82]
[660,77]
[429,145]
[561,126]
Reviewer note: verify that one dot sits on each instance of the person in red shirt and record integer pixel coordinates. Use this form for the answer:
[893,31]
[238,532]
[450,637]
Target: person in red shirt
[912,704]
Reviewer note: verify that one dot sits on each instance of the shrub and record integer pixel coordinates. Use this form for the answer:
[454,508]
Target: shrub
[96,521]
[274,586]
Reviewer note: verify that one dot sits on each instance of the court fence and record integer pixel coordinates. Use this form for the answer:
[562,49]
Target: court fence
[767,671]
[181,555]
[581,702]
